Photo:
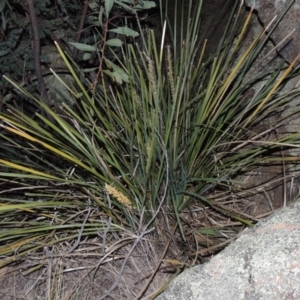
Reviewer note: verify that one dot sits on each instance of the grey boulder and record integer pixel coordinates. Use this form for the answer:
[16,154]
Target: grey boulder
[263,263]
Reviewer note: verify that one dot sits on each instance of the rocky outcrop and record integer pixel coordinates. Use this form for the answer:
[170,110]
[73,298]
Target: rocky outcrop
[286,36]
[263,263]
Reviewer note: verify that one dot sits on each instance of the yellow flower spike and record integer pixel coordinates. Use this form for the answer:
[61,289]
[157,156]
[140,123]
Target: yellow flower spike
[118,195]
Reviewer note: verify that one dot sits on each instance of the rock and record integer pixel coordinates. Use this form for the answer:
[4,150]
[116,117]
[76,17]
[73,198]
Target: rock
[263,263]
[285,32]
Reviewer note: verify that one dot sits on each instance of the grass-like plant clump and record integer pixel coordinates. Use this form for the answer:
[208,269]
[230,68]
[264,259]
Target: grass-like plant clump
[129,152]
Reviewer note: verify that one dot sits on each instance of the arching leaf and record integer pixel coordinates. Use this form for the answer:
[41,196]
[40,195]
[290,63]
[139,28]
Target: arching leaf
[114,43]
[108,6]
[125,30]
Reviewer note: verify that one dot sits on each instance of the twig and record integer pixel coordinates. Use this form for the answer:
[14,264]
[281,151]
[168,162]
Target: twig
[80,28]
[142,292]
[144,232]
[284,174]
[37,51]
[79,233]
